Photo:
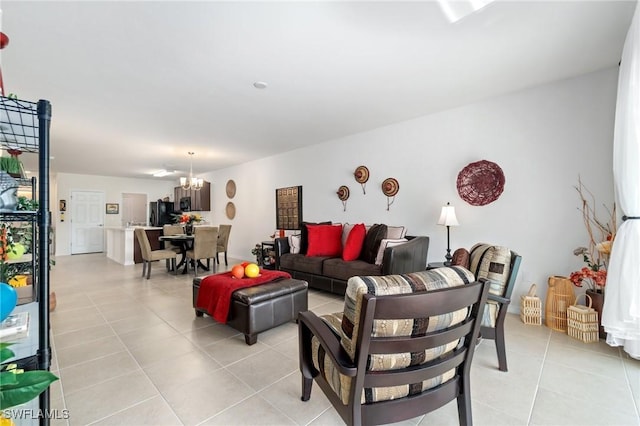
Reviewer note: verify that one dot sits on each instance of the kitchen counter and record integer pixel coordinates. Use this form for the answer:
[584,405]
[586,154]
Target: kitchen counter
[120,244]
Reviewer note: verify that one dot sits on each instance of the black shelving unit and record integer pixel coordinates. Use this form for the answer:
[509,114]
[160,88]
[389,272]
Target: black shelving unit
[25,126]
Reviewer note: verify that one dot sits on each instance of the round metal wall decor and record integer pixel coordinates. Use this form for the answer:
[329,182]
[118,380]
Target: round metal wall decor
[480,183]
[230,210]
[343,194]
[231,188]
[362,176]
[390,188]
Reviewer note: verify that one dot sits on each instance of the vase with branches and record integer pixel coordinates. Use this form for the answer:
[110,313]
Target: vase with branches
[601,234]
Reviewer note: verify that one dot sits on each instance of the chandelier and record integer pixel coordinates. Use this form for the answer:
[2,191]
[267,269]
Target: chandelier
[192,182]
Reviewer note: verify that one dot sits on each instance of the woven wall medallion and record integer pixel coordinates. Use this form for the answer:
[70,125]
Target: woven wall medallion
[480,183]
[362,176]
[343,194]
[231,188]
[390,188]
[230,210]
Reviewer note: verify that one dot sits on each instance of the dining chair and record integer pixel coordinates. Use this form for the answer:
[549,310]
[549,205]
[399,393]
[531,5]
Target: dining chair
[149,255]
[402,346]
[223,241]
[205,243]
[173,230]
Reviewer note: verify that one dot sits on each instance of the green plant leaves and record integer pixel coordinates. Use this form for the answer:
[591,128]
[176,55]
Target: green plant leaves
[16,389]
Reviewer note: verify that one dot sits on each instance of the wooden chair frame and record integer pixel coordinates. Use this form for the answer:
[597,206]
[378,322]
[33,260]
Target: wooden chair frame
[415,305]
[497,333]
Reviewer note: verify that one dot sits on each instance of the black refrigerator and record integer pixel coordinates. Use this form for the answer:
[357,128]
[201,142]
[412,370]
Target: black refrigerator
[161,213]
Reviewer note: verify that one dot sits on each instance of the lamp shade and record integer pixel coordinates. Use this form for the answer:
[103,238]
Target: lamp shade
[448,216]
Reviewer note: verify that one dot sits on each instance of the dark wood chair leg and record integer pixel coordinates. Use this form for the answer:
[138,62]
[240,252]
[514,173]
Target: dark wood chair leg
[148,270]
[500,348]
[307,383]
[464,410]
[217,259]
[225,258]
[144,267]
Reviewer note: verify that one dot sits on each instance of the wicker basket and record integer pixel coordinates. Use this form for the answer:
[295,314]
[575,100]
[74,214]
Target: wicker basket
[582,321]
[560,296]
[531,307]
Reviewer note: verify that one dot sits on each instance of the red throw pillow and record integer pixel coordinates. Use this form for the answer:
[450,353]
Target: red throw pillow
[324,240]
[353,245]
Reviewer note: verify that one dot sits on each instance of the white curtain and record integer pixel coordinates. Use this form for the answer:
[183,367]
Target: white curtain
[621,312]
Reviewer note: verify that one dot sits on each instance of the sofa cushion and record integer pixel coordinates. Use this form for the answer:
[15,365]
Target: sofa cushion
[352,247]
[294,243]
[346,230]
[343,270]
[304,234]
[324,240]
[395,232]
[387,243]
[300,262]
[372,241]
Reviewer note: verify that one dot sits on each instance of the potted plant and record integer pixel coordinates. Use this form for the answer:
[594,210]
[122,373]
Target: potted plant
[596,255]
[12,164]
[18,386]
[188,221]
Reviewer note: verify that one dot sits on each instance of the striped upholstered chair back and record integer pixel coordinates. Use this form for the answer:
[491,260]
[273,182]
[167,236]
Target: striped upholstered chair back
[499,265]
[402,347]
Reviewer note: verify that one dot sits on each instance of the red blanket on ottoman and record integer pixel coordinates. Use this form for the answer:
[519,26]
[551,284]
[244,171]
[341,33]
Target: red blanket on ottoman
[215,291]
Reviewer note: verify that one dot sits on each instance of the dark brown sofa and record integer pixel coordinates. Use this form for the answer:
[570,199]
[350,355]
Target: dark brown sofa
[332,273]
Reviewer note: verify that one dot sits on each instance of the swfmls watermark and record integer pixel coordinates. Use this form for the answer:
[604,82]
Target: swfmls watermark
[33,414]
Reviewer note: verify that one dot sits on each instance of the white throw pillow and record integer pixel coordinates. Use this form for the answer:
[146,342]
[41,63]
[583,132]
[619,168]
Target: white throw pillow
[388,243]
[396,232]
[346,228]
[294,243]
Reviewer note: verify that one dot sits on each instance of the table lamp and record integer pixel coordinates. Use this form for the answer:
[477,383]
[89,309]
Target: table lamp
[448,218]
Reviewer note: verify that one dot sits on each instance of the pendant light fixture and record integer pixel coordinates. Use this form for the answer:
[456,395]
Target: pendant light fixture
[193,182]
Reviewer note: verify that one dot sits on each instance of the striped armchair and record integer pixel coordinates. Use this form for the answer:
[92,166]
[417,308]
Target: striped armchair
[500,266]
[402,346]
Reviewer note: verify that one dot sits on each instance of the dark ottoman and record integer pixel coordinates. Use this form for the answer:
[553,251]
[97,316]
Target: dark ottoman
[262,307]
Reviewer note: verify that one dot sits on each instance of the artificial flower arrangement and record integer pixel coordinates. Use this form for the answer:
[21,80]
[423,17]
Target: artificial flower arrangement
[188,219]
[601,236]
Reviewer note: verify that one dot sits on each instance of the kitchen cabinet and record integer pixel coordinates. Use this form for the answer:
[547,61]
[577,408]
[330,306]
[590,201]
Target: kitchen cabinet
[200,199]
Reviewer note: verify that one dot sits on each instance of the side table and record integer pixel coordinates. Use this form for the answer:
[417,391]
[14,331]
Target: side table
[268,254]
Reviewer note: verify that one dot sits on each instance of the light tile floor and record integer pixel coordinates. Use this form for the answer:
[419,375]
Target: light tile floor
[130,351]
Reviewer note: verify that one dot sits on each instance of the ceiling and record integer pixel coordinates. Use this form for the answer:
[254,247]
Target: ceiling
[134,86]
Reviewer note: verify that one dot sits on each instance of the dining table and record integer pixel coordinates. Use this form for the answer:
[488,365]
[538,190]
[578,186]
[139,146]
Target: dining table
[184,242]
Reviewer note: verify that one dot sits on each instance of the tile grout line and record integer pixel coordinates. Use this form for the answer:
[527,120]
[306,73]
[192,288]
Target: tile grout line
[139,367]
[542,366]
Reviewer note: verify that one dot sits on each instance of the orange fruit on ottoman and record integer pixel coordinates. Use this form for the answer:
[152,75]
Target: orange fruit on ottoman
[252,270]
[237,271]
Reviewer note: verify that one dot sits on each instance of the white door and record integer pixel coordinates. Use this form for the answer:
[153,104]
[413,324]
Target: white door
[87,222]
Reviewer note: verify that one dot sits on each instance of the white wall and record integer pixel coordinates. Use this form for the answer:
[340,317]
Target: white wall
[112,187]
[543,138]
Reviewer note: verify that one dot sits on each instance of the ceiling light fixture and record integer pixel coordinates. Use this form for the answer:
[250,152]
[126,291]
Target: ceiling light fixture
[455,10]
[192,182]
[162,173]
[260,85]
